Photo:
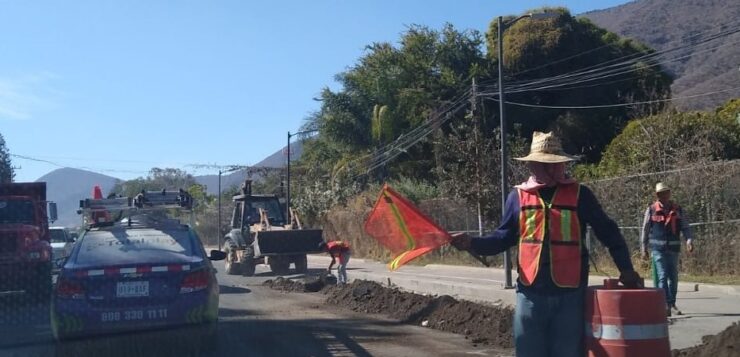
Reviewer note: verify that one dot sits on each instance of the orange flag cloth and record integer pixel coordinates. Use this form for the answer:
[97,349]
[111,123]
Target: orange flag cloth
[401,227]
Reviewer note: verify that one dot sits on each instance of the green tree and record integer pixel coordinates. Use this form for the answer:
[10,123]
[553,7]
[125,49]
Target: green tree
[158,179]
[673,139]
[547,48]
[6,168]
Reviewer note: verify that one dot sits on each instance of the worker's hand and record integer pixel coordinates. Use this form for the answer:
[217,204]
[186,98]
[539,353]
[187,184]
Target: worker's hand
[461,241]
[631,280]
[690,246]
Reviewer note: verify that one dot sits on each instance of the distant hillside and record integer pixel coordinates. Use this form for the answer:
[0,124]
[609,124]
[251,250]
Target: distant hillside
[276,160]
[68,186]
[664,24]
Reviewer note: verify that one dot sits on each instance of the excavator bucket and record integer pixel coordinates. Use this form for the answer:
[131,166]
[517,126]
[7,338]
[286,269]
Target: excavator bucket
[286,242]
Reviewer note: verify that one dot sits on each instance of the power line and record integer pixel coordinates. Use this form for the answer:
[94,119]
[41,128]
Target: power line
[618,104]
[671,171]
[601,70]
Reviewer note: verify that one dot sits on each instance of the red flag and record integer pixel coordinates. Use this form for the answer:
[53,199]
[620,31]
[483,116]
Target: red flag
[401,227]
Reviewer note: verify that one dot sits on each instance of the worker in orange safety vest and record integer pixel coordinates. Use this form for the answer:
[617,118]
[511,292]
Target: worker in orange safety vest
[338,250]
[546,217]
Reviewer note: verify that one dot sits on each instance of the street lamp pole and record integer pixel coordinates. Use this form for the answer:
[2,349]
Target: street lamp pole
[502,117]
[219,210]
[504,147]
[287,184]
[287,174]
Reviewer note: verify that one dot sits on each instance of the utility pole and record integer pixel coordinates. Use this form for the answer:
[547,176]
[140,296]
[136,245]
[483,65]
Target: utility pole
[478,158]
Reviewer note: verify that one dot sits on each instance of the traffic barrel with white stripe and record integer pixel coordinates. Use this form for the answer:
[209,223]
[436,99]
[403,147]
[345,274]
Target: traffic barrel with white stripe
[624,322]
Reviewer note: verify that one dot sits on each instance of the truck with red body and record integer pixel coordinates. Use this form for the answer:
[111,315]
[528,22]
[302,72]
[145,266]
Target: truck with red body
[25,249]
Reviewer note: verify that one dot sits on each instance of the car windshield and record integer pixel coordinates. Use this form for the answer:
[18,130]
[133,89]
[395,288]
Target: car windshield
[58,236]
[135,246]
[16,211]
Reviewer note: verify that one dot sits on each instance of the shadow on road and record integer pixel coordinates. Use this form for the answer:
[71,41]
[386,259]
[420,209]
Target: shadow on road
[250,337]
[225,289]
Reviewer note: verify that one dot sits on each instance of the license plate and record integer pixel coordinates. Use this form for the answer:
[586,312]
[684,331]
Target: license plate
[132,289]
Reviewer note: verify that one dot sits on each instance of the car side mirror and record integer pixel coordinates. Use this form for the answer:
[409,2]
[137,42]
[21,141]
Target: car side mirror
[217,255]
[53,211]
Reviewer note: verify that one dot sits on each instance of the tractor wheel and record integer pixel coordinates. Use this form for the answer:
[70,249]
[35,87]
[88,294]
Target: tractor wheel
[279,265]
[301,264]
[233,267]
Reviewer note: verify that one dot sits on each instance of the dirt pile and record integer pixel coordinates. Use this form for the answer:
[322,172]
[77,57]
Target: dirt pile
[286,285]
[479,323]
[723,344]
[309,284]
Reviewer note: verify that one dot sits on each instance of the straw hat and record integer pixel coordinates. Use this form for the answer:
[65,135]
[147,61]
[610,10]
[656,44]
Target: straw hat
[546,148]
[661,187]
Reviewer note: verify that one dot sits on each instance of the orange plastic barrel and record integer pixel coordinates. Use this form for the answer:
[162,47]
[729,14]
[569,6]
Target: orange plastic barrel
[624,322]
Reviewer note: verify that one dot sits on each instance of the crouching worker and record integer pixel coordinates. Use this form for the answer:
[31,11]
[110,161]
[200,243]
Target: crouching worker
[547,216]
[338,250]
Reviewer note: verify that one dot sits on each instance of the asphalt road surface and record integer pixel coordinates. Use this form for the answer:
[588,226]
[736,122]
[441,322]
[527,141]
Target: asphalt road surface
[253,321]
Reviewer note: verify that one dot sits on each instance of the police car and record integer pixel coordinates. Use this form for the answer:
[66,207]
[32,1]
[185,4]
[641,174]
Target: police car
[140,270]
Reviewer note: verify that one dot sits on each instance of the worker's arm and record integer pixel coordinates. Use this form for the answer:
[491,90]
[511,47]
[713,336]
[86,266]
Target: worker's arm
[507,234]
[686,230]
[645,232]
[607,231]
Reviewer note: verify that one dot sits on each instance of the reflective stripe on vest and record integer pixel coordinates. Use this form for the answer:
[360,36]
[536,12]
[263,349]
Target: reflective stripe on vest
[564,229]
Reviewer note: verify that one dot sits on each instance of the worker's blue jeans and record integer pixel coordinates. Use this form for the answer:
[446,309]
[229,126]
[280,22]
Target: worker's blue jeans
[342,268]
[666,265]
[549,325]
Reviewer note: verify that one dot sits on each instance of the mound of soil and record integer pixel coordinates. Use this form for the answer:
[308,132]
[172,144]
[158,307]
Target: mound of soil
[480,323]
[286,285]
[723,344]
[309,284]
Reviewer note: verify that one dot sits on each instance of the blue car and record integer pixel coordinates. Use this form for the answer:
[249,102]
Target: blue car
[149,273]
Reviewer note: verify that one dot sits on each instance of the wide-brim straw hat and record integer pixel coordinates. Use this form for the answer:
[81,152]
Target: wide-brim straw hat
[546,148]
[661,187]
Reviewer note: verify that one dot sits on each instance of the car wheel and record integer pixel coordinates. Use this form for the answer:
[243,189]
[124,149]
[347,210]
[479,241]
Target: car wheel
[301,264]
[208,339]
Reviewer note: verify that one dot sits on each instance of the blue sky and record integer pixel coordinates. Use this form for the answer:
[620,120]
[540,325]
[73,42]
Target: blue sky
[122,86]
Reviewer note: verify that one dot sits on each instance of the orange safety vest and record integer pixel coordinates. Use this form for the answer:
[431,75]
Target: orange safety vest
[561,217]
[338,246]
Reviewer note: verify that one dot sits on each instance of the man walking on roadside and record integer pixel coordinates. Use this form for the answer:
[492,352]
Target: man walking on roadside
[338,250]
[661,229]
[547,216]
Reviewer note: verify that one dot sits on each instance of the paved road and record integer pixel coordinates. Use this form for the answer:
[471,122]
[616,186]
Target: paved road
[707,311]
[253,321]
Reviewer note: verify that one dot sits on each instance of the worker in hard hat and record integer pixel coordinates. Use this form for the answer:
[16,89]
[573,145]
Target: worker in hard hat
[662,227]
[339,250]
[547,217]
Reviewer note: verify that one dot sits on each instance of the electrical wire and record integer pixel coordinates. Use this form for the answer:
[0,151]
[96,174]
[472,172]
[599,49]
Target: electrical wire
[615,105]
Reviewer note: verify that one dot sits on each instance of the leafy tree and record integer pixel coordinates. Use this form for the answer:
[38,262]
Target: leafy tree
[391,90]
[552,47]
[6,168]
[672,139]
[158,179]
